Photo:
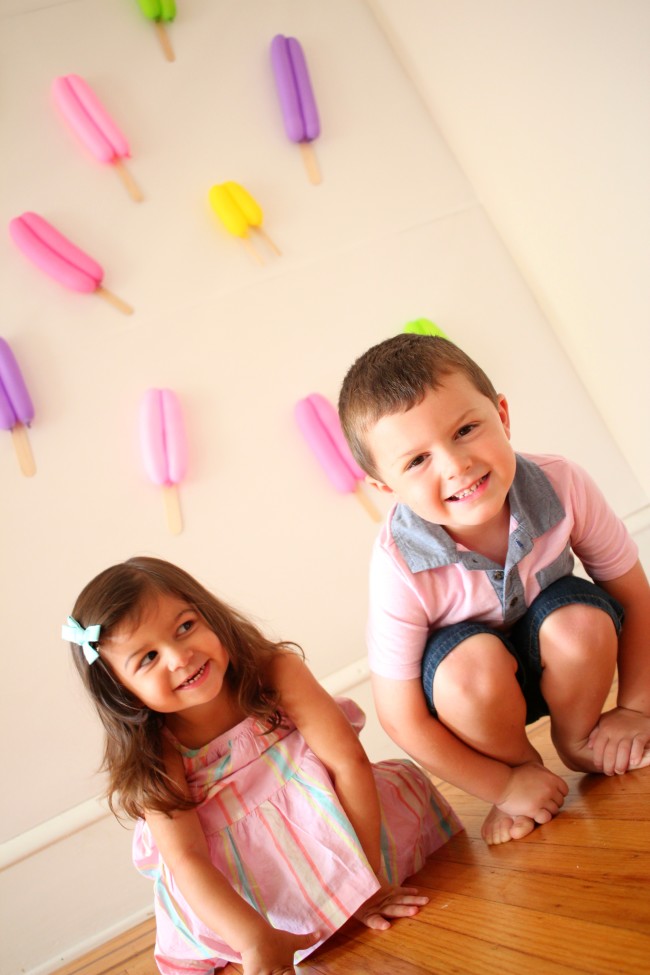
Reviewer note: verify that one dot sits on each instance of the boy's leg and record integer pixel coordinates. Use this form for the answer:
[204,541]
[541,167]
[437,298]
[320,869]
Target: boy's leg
[477,696]
[578,649]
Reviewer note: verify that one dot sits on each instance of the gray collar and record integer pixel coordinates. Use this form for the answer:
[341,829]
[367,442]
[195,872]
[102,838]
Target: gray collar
[533,504]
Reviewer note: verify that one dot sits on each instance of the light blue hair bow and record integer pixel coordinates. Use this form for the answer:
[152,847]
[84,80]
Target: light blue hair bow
[84,638]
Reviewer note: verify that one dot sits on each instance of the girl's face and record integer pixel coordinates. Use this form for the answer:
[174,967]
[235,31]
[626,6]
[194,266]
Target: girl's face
[170,659]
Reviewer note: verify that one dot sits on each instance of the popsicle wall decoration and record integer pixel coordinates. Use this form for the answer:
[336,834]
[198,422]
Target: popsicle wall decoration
[424,326]
[238,211]
[161,12]
[297,102]
[58,257]
[92,124]
[164,449]
[16,408]
[321,428]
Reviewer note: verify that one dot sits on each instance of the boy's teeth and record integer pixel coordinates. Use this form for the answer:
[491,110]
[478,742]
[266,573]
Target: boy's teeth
[469,490]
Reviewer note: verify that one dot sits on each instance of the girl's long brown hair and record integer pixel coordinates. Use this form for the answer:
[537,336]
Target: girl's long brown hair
[137,779]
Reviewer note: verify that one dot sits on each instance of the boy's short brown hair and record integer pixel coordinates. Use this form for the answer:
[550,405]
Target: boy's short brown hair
[394,376]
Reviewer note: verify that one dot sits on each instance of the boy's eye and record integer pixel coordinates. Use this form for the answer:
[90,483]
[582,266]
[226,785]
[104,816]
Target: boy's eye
[467,428]
[415,462]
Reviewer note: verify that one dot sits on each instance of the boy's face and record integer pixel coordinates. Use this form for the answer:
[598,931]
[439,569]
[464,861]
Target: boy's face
[448,458]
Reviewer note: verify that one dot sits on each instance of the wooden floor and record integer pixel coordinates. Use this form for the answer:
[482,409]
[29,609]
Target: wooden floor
[572,897]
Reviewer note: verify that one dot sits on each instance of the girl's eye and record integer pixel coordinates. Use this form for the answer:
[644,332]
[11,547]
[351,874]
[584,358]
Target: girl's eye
[186,625]
[149,658]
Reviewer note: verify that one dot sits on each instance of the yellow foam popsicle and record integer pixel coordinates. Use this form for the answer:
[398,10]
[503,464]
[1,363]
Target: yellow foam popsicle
[238,211]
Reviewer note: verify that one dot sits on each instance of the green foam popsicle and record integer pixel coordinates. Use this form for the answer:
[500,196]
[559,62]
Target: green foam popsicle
[422,326]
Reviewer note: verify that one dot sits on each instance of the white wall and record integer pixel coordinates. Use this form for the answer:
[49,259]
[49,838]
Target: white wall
[546,105]
[394,232]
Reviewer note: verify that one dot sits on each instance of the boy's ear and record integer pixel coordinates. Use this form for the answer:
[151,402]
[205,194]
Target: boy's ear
[504,413]
[378,485]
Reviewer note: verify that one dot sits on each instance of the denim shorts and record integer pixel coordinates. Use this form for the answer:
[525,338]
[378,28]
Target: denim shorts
[522,641]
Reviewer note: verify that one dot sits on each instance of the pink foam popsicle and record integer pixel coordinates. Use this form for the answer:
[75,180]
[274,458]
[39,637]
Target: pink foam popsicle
[320,425]
[54,254]
[90,121]
[297,102]
[164,448]
[16,408]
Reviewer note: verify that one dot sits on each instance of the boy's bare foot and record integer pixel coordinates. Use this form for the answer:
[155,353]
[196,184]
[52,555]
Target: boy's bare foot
[501,827]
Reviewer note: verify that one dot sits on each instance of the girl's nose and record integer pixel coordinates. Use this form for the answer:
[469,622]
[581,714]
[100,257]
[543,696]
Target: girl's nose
[178,657]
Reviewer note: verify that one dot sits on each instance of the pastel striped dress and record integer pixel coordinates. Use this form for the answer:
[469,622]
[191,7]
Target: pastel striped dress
[276,830]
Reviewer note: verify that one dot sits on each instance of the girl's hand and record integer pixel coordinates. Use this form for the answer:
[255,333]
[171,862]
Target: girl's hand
[388,902]
[273,953]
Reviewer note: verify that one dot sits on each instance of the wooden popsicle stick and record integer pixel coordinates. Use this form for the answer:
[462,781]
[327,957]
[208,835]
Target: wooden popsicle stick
[366,503]
[113,300]
[23,450]
[310,163]
[164,40]
[172,509]
[132,187]
[248,244]
[274,247]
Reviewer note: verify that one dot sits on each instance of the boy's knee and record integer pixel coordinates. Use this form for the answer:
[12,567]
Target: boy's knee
[576,632]
[476,672]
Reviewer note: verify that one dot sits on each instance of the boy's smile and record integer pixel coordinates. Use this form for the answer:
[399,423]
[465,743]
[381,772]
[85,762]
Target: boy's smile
[449,459]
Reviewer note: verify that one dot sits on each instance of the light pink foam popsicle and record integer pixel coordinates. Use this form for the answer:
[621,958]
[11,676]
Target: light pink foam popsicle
[164,448]
[16,408]
[321,428]
[57,256]
[92,124]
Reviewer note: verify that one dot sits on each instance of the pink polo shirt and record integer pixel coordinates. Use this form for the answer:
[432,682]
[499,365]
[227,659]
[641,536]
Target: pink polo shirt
[420,580]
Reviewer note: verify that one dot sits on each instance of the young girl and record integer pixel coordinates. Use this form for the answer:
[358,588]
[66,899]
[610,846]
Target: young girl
[259,817]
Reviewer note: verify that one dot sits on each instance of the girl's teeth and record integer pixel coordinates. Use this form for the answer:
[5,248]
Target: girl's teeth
[196,677]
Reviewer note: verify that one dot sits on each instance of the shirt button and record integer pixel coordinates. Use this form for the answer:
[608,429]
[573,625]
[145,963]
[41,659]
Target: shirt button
[514,600]
[498,575]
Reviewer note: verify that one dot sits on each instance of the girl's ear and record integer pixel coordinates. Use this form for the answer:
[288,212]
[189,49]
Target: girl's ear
[504,413]
[378,485]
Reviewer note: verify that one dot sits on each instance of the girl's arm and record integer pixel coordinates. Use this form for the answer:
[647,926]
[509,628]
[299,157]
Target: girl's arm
[183,846]
[331,737]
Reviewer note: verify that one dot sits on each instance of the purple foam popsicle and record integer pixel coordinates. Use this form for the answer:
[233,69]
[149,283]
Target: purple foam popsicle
[299,111]
[16,407]
[15,402]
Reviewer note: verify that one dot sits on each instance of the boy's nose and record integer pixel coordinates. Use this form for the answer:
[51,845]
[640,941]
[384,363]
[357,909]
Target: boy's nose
[457,461]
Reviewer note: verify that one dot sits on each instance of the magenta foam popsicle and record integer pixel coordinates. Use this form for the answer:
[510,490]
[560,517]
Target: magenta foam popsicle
[164,448]
[59,258]
[95,128]
[296,96]
[319,423]
[16,408]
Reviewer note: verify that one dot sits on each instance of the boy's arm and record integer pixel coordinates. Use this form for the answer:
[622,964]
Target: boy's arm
[527,790]
[622,736]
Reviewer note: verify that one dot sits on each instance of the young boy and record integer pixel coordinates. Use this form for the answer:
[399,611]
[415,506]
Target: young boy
[477,626]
